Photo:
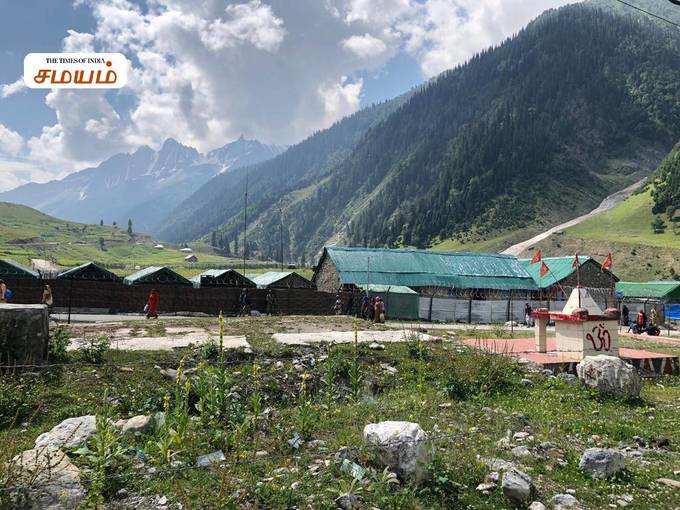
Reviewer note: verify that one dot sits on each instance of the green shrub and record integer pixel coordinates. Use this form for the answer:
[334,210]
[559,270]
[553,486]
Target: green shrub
[18,398]
[94,349]
[59,341]
[476,373]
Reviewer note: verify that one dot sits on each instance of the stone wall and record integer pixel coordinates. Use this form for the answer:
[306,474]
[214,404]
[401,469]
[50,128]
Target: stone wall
[326,277]
[24,333]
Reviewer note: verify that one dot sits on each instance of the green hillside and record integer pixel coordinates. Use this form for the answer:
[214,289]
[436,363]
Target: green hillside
[26,234]
[579,104]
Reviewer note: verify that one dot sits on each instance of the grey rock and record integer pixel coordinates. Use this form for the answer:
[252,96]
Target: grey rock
[401,446]
[527,382]
[521,452]
[517,486]
[567,378]
[347,501]
[601,462]
[563,501]
[376,346]
[536,505]
[610,375]
[69,433]
[53,481]
[497,464]
[210,459]
[486,487]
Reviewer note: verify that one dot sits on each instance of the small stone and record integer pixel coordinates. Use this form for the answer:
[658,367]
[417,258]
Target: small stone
[389,368]
[209,459]
[376,346]
[517,486]
[261,453]
[563,501]
[295,486]
[486,487]
[639,441]
[347,501]
[670,482]
[527,382]
[567,378]
[135,424]
[536,505]
[521,452]
[601,462]
[445,405]
[163,500]
[520,436]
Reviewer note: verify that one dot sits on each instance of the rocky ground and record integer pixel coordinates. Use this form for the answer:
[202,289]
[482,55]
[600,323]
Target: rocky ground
[412,424]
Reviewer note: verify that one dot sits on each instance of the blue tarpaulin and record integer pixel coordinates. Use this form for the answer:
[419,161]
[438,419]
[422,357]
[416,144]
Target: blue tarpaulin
[672,312]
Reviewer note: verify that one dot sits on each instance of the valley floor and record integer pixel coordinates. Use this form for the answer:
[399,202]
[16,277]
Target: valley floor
[286,417]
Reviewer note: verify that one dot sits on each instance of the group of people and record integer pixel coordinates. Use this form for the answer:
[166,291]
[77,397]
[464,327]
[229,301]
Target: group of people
[642,321]
[373,308]
[6,294]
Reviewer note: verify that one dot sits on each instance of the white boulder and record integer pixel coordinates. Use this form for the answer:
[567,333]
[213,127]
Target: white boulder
[52,481]
[139,423]
[610,375]
[401,446]
[69,433]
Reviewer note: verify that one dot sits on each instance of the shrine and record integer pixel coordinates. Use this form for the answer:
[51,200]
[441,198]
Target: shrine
[581,328]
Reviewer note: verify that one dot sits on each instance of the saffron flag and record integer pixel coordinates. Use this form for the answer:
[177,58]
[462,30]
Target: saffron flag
[607,264]
[537,257]
[544,269]
[576,262]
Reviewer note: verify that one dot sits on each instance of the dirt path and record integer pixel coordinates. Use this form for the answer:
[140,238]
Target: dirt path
[608,203]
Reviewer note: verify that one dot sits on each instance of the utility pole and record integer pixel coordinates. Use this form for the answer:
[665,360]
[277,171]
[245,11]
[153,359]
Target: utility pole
[281,234]
[245,225]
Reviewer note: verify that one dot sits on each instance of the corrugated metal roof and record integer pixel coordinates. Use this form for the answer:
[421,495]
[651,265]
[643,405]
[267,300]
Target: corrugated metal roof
[16,269]
[650,290]
[421,268]
[560,268]
[392,289]
[148,271]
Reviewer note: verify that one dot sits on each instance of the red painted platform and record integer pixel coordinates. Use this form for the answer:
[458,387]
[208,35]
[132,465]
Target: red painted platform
[561,361]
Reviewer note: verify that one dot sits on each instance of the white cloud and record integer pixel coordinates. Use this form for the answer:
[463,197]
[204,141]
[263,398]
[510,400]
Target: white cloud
[11,142]
[206,72]
[15,172]
[365,46]
[9,89]
[252,22]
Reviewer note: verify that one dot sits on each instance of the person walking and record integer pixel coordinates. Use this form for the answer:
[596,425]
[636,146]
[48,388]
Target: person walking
[152,304]
[337,306]
[365,304]
[625,316]
[270,302]
[47,298]
[527,315]
[377,310]
[3,292]
[244,302]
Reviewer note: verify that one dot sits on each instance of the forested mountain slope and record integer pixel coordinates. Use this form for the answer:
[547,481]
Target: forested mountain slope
[580,103]
[666,185]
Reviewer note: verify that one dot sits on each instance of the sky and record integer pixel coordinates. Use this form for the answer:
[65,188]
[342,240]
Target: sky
[207,71]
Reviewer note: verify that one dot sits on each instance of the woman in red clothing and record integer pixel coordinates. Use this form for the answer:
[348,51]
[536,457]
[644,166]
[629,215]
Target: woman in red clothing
[152,304]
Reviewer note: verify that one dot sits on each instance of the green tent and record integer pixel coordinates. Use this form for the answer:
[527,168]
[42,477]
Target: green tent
[400,302]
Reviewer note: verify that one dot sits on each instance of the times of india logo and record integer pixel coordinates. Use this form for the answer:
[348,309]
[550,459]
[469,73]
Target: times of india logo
[75,70]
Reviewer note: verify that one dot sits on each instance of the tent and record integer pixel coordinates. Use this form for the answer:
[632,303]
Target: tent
[400,302]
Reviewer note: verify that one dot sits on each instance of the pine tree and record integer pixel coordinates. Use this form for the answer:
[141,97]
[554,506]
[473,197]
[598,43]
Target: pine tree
[129,230]
[101,223]
[213,239]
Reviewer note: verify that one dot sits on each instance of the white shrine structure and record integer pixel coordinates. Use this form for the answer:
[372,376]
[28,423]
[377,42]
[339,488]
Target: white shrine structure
[581,328]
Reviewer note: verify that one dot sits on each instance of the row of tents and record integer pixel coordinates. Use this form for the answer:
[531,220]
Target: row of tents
[162,275]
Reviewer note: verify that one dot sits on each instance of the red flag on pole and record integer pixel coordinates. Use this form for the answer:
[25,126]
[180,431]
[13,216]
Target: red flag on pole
[537,257]
[607,264]
[544,269]
[576,262]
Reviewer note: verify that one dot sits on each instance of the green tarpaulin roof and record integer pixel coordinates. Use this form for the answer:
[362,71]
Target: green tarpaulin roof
[392,289]
[87,271]
[560,268]
[145,275]
[264,279]
[218,273]
[650,290]
[10,268]
[421,268]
